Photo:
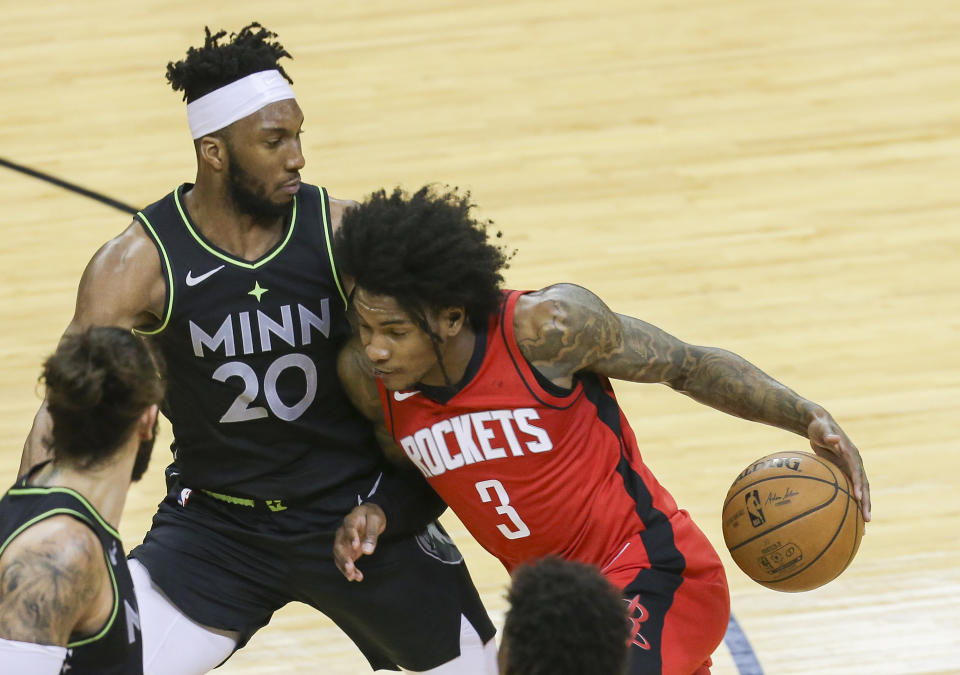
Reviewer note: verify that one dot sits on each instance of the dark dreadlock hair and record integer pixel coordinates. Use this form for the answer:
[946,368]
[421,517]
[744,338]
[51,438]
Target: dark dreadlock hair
[565,618]
[426,250]
[215,65]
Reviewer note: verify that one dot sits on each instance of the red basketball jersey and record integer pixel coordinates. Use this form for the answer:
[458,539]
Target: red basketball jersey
[533,469]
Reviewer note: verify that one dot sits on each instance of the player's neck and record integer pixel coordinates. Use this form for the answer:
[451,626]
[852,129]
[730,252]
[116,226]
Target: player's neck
[456,352]
[104,486]
[221,222]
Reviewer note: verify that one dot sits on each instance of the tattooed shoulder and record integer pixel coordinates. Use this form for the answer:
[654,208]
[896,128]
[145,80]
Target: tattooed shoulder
[49,577]
[565,328]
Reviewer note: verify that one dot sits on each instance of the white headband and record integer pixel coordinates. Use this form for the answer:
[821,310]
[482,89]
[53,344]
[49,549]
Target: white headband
[235,101]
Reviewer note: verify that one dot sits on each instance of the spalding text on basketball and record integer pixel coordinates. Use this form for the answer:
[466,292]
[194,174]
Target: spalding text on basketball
[786,462]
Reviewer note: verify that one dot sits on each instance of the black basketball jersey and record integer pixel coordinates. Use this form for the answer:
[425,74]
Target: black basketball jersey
[253,397]
[117,647]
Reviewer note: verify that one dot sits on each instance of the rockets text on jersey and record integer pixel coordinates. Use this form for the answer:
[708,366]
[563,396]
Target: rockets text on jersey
[481,436]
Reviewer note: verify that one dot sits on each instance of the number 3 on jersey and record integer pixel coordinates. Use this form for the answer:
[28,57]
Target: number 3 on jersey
[484,487]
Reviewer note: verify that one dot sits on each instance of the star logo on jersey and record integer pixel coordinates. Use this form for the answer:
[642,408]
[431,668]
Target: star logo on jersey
[193,281]
[113,554]
[403,395]
[257,291]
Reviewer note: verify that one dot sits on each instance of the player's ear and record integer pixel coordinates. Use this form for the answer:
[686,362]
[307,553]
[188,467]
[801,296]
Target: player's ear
[451,320]
[212,151]
[148,422]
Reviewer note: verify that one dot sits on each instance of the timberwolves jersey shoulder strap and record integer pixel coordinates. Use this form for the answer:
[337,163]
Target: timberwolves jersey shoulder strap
[116,649]
[250,345]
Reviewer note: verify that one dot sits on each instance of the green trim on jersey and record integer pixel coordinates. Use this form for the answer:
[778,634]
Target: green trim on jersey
[63,511]
[46,514]
[113,614]
[224,256]
[166,263]
[239,501]
[73,493]
[327,232]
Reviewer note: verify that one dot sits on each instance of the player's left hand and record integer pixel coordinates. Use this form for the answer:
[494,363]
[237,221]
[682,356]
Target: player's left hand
[357,536]
[829,441]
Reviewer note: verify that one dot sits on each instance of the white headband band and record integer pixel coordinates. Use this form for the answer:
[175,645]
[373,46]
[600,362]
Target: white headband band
[235,101]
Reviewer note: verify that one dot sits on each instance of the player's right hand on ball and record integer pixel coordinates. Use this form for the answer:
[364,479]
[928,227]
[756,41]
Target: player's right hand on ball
[357,536]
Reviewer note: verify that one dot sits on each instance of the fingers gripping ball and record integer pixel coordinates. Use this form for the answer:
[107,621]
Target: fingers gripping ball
[791,522]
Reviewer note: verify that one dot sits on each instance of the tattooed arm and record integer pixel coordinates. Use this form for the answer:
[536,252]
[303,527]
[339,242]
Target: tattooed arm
[53,582]
[122,285]
[566,329]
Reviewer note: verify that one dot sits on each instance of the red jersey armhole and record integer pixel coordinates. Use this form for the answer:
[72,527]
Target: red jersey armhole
[520,363]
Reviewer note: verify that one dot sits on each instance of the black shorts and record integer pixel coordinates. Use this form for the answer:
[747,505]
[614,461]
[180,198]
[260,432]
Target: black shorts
[230,566]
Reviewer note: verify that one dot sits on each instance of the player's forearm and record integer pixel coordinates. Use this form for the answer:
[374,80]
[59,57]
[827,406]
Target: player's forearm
[729,383]
[407,500]
[35,448]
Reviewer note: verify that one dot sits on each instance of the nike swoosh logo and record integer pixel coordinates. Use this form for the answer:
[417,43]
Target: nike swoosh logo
[403,396]
[193,281]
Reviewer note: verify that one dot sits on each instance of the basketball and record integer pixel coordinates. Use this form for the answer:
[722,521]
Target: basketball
[791,522]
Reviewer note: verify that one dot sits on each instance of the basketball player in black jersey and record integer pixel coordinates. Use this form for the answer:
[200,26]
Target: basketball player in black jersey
[233,279]
[67,601]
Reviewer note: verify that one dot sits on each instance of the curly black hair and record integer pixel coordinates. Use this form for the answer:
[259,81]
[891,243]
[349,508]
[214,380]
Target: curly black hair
[215,65]
[426,250]
[565,618]
[98,383]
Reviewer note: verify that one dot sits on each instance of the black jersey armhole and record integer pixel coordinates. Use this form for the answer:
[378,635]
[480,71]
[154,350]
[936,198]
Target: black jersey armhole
[327,224]
[548,386]
[166,271]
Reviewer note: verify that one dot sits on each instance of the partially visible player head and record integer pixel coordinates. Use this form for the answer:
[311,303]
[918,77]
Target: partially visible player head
[243,117]
[103,386]
[565,618]
[422,266]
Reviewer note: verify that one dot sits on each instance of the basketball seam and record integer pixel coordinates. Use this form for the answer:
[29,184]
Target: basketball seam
[796,517]
[840,483]
[826,548]
[829,466]
[764,480]
[856,539]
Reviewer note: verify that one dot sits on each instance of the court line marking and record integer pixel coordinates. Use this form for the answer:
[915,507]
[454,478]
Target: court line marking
[744,658]
[67,185]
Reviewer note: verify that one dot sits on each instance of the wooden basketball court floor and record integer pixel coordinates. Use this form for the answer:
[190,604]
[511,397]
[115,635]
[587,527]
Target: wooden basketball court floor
[776,178]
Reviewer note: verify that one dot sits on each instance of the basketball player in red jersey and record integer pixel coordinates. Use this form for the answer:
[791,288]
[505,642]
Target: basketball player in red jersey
[502,400]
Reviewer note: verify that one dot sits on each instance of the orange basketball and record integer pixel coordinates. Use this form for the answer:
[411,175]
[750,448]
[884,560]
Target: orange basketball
[791,522]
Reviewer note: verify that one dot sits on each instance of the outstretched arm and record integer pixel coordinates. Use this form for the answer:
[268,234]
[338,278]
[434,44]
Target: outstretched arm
[566,329]
[122,285]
